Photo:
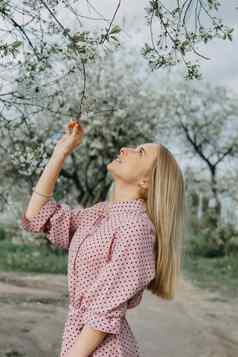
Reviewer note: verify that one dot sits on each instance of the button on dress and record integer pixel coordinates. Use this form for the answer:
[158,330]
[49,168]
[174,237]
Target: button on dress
[110,263]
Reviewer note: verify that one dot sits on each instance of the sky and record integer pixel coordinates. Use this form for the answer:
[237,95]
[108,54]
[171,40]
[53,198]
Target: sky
[220,69]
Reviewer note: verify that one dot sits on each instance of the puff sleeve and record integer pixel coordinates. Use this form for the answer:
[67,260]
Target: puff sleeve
[129,270]
[57,220]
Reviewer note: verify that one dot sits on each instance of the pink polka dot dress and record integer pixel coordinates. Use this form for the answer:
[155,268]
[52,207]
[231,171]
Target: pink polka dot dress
[110,263]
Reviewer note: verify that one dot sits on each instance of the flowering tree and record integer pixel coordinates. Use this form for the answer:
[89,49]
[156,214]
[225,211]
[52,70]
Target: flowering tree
[205,118]
[116,118]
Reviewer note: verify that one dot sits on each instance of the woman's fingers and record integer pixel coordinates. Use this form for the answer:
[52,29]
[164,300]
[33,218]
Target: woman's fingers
[78,131]
[75,128]
[69,126]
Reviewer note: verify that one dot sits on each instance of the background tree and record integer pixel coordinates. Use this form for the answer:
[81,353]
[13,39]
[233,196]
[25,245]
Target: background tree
[205,119]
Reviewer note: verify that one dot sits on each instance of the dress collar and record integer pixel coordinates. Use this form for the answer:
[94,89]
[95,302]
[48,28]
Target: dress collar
[123,207]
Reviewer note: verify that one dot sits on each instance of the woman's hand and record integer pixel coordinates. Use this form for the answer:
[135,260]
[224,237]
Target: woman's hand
[74,133]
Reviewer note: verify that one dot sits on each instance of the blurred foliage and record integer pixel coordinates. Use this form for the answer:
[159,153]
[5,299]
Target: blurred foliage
[2,232]
[214,241]
[218,274]
[32,258]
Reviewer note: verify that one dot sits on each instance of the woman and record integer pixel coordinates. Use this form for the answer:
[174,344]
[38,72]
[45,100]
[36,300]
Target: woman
[116,248]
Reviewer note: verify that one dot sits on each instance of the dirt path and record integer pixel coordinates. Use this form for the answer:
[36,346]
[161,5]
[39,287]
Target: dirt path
[196,324]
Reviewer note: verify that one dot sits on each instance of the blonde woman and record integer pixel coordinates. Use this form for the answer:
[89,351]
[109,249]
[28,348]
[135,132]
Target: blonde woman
[117,248]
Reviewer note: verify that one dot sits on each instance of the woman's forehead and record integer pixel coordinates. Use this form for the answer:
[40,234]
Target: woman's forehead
[151,148]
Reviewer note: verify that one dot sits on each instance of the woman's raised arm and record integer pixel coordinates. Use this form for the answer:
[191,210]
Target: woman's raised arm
[48,178]
[43,213]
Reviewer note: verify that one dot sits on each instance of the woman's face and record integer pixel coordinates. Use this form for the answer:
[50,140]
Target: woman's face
[135,163]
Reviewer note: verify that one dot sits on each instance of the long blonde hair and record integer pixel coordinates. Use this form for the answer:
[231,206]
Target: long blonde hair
[165,202]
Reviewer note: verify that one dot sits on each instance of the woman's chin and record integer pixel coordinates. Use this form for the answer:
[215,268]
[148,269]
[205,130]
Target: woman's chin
[111,165]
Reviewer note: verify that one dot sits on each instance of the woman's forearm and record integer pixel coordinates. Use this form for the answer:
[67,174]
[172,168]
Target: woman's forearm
[45,184]
[86,342]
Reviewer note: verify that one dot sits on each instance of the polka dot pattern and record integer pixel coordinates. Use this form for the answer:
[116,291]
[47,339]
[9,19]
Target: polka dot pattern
[58,221]
[110,262]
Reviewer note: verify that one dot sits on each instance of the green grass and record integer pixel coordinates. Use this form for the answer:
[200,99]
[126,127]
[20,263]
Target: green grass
[31,258]
[216,274]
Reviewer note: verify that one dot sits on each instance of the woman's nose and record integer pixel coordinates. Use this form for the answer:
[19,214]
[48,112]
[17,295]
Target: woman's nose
[124,151]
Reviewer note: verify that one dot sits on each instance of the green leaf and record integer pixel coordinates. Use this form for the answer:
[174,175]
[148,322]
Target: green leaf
[115,29]
[16,44]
